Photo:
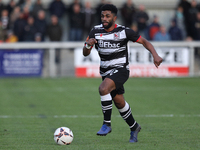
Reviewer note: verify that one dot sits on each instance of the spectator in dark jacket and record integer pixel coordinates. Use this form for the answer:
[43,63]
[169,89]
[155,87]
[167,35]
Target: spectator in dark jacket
[29,30]
[192,18]
[128,12]
[175,32]
[10,7]
[41,24]
[89,15]
[197,27]
[54,32]
[76,24]
[54,29]
[57,7]
[186,7]
[71,6]
[142,18]
[18,28]
[2,6]
[36,8]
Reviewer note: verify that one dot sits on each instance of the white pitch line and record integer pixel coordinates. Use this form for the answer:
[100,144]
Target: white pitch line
[97,116]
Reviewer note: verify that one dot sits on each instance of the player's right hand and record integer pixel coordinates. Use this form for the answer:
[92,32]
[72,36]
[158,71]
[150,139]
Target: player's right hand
[91,41]
[157,61]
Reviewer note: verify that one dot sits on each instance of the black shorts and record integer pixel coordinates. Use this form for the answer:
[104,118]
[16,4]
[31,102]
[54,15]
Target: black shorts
[119,76]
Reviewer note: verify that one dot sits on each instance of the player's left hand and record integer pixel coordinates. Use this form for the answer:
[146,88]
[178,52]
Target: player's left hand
[157,61]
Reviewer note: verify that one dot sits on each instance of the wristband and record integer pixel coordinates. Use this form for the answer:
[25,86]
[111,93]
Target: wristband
[88,46]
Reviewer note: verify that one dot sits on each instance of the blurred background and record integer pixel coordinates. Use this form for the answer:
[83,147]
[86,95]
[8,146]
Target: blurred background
[44,38]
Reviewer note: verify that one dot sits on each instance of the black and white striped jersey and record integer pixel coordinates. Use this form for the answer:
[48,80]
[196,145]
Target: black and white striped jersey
[112,46]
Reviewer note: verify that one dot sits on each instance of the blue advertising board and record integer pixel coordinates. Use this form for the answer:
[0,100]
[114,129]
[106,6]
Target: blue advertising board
[26,62]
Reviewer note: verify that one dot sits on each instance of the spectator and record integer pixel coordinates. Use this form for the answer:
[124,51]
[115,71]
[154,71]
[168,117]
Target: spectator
[2,6]
[38,37]
[54,32]
[192,18]
[142,18]
[14,16]
[5,19]
[98,11]
[193,10]
[11,37]
[71,6]
[41,24]
[188,39]
[186,6]
[162,34]
[2,33]
[26,12]
[153,28]
[180,21]
[18,28]
[197,27]
[29,30]
[57,7]
[89,16]
[128,12]
[20,2]
[36,8]
[54,29]
[28,4]
[198,7]
[76,24]
[175,32]
[10,7]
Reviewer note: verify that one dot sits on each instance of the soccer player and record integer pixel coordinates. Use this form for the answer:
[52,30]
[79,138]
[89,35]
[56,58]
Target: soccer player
[111,40]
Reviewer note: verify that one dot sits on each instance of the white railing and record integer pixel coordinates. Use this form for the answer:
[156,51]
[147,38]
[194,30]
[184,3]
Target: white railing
[51,46]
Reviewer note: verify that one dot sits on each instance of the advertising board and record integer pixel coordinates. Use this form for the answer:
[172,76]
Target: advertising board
[21,62]
[175,63]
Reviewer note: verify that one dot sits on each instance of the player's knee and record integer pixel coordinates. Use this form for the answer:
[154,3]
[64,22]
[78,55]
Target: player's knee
[119,104]
[103,90]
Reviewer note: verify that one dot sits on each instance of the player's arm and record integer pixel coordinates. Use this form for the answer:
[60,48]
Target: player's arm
[149,46]
[88,46]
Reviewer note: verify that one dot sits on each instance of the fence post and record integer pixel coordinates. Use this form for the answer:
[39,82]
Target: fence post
[52,65]
[191,55]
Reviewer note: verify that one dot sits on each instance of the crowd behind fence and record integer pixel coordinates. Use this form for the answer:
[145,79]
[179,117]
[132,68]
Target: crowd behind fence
[28,21]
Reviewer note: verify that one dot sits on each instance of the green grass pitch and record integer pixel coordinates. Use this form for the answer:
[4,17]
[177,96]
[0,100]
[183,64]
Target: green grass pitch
[168,109]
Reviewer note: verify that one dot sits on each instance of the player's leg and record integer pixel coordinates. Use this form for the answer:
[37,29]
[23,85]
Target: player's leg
[125,112]
[106,102]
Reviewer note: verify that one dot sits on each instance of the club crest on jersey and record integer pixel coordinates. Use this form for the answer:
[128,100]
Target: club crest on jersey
[116,36]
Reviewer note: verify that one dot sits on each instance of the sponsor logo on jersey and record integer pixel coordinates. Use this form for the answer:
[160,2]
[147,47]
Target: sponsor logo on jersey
[105,44]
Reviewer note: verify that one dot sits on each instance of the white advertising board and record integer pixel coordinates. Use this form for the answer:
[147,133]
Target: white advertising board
[175,62]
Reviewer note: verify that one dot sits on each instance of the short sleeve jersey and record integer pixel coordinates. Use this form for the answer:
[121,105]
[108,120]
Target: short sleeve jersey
[112,46]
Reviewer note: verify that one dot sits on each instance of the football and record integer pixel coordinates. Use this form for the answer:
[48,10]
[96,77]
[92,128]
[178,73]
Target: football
[63,136]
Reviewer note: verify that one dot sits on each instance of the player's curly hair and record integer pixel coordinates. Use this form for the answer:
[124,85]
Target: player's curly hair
[109,7]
